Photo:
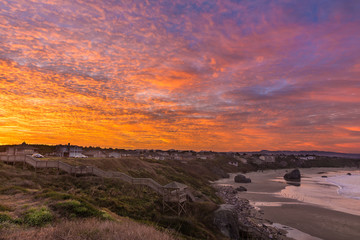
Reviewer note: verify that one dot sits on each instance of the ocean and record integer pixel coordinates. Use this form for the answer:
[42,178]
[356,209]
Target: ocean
[324,205]
[349,185]
[333,190]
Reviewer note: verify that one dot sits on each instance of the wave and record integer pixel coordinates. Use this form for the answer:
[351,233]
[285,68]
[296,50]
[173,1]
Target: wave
[349,185]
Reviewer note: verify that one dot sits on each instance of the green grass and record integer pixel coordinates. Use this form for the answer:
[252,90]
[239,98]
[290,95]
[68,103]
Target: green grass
[76,209]
[37,217]
[83,197]
[56,195]
[5,218]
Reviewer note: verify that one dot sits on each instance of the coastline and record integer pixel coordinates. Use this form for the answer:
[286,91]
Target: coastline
[313,219]
[250,220]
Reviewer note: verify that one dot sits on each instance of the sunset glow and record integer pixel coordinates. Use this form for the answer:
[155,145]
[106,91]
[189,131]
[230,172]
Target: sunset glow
[204,75]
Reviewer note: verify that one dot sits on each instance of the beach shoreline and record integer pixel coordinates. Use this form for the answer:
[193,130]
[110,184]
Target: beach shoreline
[314,219]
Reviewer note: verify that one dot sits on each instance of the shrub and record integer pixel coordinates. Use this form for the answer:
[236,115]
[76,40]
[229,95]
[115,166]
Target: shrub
[5,218]
[56,195]
[76,209]
[37,217]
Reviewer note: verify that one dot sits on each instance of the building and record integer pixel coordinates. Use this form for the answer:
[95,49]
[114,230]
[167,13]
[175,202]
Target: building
[266,158]
[114,155]
[68,151]
[95,153]
[307,158]
[241,159]
[19,150]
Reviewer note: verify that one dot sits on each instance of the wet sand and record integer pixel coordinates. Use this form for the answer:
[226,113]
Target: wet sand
[312,219]
[316,221]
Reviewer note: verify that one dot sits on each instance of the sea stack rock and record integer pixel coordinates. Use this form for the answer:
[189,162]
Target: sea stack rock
[294,175]
[241,179]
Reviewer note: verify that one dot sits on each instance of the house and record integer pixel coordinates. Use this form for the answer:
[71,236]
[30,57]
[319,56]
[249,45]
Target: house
[68,151]
[95,153]
[154,157]
[114,155]
[19,150]
[243,160]
[176,157]
[266,158]
[307,158]
[201,156]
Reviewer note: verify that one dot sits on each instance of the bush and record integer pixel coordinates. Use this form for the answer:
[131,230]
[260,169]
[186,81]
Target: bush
[76,209]
[37,217]
[5,218]
[56,195]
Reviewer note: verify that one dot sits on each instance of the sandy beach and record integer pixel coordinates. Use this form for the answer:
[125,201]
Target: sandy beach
[313,217]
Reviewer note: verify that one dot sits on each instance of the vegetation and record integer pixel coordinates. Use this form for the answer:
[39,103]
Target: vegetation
[89,229]
[4,208]
[37,217]
[5,218]
[76,209]
[42,198]
[30,199]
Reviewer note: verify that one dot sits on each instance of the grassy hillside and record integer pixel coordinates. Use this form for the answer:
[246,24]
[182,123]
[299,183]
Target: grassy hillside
[47,200]
[89,229]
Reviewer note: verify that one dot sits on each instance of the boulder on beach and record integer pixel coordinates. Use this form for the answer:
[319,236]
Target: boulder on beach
[349,174]
[241,179]
[226,220]
[324,176]
[241,189]
[294,175]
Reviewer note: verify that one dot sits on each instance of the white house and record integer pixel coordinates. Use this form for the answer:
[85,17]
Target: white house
[307,158]
[114,155]
[266,158]
[22,149]
[95,153]
[68,150]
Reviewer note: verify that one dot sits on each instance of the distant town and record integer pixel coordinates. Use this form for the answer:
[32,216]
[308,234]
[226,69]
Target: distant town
[235,158]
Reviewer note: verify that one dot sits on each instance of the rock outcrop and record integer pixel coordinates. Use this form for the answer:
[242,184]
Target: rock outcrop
[251,223]
[241,189]
[294,175]
[226,220]
[241,179]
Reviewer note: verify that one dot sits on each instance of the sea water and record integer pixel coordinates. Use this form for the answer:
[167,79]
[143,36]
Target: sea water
[349,185]
[338,191]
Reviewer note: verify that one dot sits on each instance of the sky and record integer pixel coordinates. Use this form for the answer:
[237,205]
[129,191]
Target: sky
[226,75]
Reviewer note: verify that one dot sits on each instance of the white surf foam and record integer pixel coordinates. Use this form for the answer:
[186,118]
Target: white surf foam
[338,191]
[349,186]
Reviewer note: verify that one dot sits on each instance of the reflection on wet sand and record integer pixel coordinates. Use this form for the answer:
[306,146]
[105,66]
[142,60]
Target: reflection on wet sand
[296,184]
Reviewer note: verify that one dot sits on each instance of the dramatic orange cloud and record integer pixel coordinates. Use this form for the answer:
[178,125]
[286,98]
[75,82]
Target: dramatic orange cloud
[207,75]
